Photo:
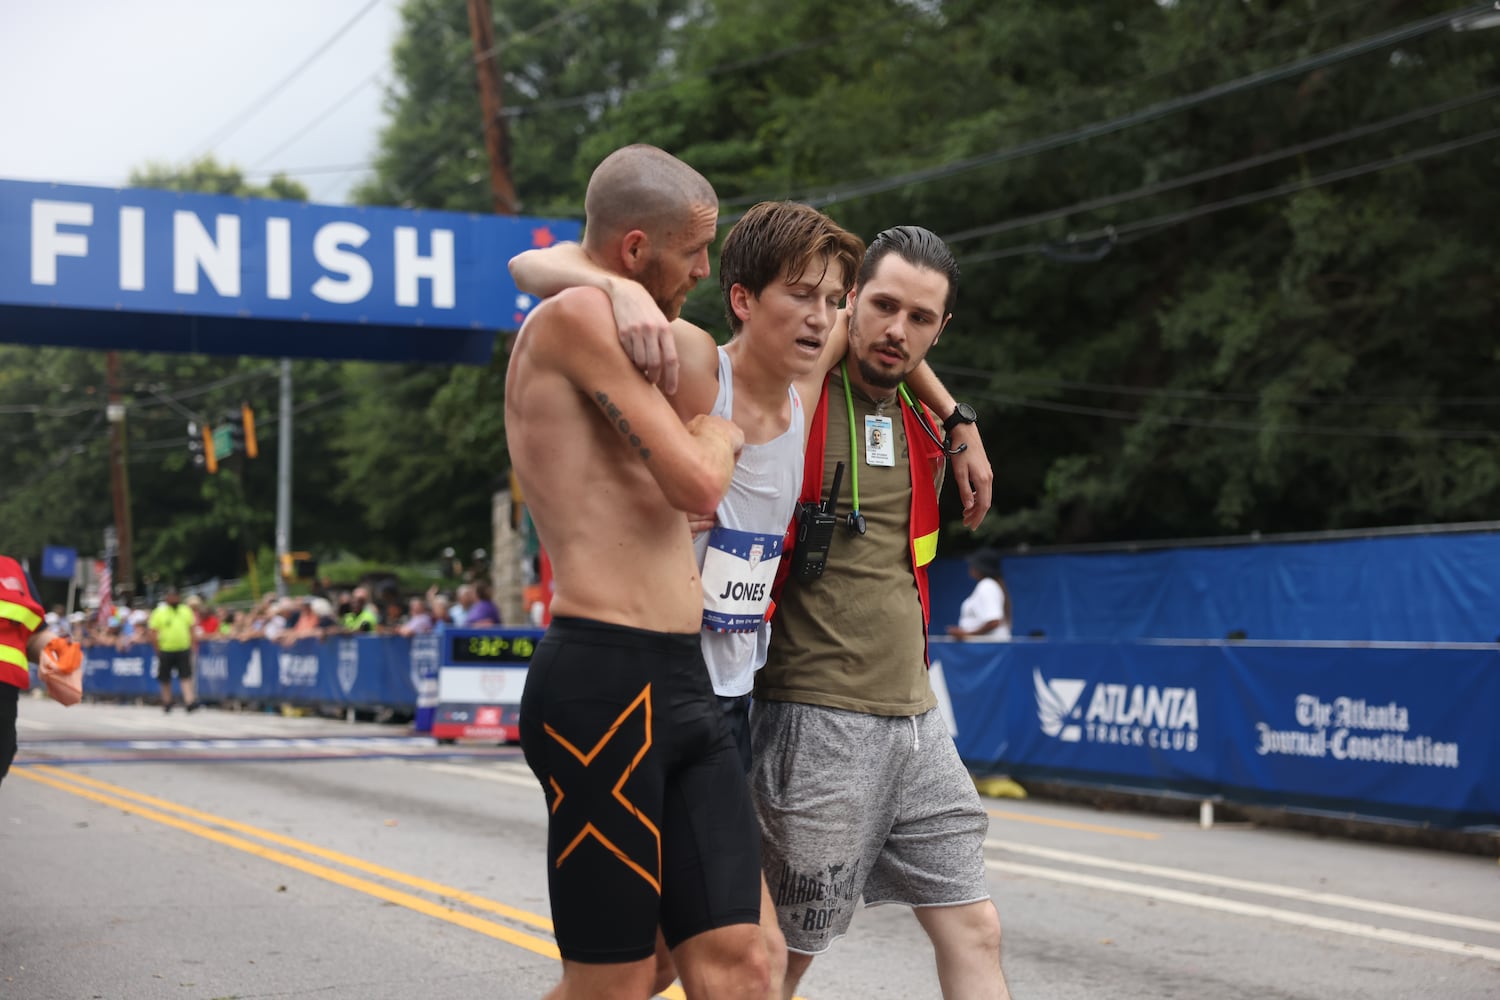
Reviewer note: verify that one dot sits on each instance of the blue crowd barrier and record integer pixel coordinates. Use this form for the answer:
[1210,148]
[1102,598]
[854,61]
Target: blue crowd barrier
[1397,731]
[1384,731]
[346,671]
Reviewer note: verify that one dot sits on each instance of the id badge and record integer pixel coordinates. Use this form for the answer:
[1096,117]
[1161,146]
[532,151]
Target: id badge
[880,441]
[738,570]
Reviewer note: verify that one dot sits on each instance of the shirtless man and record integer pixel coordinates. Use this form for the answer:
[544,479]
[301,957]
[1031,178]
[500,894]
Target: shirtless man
[650,818]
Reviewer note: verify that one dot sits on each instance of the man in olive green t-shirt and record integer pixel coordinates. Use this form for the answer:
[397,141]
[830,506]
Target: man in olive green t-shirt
[171,625]
[860,791]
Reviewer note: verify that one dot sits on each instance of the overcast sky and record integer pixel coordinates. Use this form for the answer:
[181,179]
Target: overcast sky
[94,88]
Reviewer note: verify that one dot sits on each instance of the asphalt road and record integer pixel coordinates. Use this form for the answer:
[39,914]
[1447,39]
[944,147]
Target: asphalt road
[221,855]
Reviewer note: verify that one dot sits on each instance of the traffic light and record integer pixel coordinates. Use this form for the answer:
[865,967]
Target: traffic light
[298,566]
[201,447]
[247,419]
[241,426]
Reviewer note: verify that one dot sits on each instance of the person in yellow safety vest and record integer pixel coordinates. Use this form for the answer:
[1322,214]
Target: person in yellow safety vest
[172,625]
[364,618]
[24,638]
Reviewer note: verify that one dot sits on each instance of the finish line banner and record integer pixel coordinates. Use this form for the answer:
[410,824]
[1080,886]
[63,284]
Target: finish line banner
[1399,732]
[148,270]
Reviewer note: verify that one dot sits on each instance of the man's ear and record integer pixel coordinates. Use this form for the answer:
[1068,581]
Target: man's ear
[739,300]
[942,328]
[635,250]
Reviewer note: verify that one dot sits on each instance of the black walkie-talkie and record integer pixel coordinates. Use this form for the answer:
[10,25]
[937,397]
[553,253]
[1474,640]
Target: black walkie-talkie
[815,524]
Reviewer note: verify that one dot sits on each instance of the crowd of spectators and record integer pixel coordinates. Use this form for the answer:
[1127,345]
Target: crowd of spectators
[286,620]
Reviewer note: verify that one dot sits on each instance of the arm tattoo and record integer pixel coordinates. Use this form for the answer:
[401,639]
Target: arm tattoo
[618,419]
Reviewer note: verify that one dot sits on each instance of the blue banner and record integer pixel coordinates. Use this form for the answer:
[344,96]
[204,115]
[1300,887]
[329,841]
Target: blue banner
[59,563]
[167,271]
[1417,588]
[1401,733]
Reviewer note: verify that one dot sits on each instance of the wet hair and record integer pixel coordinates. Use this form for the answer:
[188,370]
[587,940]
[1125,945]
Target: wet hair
[641,187]
[778,238]
[918,247]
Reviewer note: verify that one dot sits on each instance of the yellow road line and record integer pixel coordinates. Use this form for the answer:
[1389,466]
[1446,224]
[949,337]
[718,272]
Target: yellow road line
[478,924]
[401,878]
[121,798]
[1067,824]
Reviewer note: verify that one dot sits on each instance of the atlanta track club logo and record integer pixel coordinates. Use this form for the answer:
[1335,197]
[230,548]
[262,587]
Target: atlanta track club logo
[1056,703]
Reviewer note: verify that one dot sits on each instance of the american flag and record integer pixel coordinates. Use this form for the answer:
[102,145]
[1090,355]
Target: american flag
[106,593]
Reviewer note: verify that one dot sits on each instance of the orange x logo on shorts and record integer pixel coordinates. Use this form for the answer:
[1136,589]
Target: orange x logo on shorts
[642,703]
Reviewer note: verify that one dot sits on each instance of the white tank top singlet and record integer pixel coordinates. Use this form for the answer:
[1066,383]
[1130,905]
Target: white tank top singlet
[738,557]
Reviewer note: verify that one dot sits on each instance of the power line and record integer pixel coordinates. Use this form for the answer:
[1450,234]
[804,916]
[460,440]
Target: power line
[204,387]
[562,103]
[255,106]
[1415,29]
[39,410]
[581,100]
[329,168]
[1051,109]
[1113,234]
[168,399]
[1249,426]
[1161,187]
[1210,395]
[318,118]
[405,189]
[77,447]
[560,17]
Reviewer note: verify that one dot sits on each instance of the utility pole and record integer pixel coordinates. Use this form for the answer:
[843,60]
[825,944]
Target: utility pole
[119,479]
[284,476]
[505,564]
[491,103]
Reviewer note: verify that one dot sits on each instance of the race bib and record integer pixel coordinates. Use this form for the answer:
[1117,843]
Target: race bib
[738,570]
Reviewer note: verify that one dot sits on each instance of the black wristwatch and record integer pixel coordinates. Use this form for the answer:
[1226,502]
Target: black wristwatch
[963,413]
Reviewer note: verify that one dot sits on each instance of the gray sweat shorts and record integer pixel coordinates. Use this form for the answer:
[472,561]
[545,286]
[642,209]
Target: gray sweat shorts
[855,805]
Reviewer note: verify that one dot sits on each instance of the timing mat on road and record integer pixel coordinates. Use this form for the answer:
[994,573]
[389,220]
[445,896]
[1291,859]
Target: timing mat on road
[248,749]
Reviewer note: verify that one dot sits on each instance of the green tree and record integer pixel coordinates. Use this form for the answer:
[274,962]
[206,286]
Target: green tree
[417,463]
[1313,359]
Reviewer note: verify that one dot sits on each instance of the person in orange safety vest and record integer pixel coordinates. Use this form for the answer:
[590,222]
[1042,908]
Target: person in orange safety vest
[24,638]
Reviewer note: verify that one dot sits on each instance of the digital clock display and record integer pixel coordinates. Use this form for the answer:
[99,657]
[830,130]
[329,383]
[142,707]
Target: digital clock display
[490,649]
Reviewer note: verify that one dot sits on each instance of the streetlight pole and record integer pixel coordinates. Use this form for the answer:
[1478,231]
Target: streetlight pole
[119,479]
[284,477]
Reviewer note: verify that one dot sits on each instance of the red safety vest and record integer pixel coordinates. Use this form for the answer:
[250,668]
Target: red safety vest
[20,617]
[926,459]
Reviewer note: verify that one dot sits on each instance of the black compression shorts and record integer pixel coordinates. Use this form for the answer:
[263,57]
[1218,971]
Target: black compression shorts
[651,821]
[736,710]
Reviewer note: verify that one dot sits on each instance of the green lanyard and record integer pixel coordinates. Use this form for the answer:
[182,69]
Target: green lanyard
[854,438]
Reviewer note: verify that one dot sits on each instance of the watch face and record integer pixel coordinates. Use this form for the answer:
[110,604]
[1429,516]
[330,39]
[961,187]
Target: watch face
[963,413]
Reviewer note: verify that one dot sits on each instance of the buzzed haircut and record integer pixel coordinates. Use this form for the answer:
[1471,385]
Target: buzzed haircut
[918,247]
[641,187]
[783,237]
